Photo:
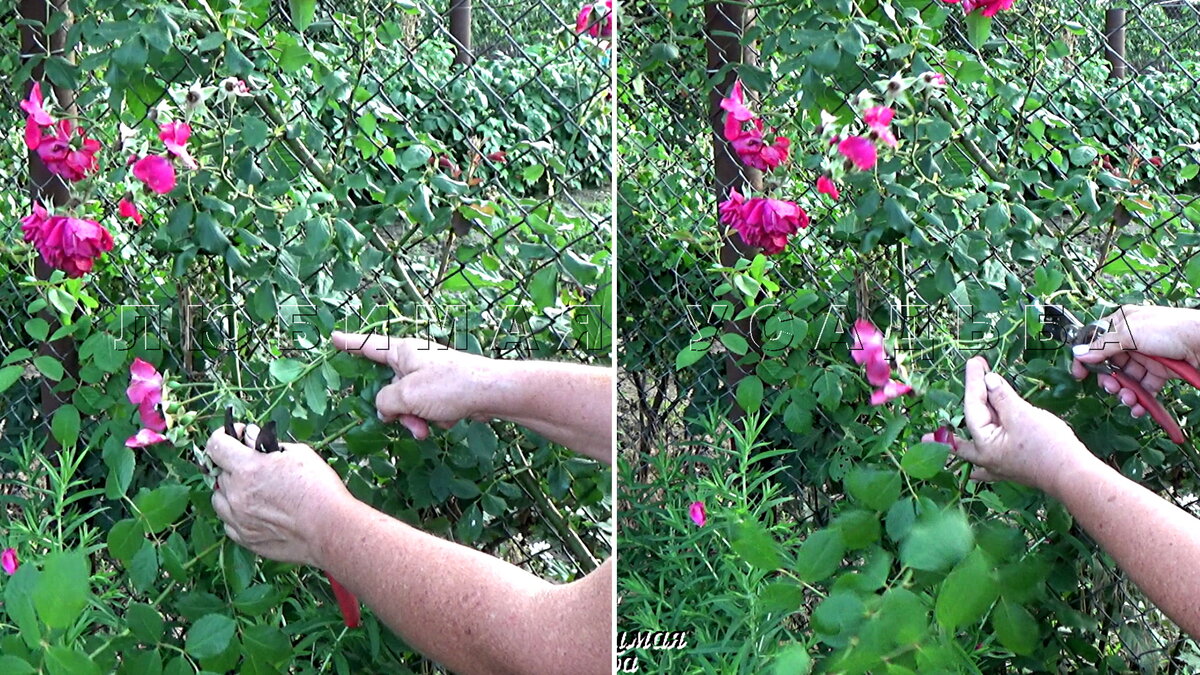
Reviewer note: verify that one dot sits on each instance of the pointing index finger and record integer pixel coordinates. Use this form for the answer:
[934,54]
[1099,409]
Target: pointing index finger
[377,348]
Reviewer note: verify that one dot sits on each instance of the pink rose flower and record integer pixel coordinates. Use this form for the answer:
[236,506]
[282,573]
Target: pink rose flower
[943,434]
[731,209]
[69,244]
[60,155]
[143,438]
[878,120]
[8,561]
[175,136]
[860,151]
[989,7]
[755,153]
[868,350]
[33,106]
[595,19]
[736,112]
[156,172]
[892,389]
[826,186]
[145,391]
[696,512]
[127,209]
[767,223]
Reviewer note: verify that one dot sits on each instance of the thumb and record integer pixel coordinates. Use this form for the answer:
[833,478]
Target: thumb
[1001,396]
[1105,346]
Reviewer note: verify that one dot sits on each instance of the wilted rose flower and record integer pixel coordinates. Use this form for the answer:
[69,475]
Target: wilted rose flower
[696,512]
[156,172]
[868,350]
[878,120]
[860,151]
[143,438]
[731,209]
[127,209]
[767,223]
[595,19]
[145,391]
[736,112]
[755,153]
[36,117]
[69,153]
[498,156]
[232,87]
[826,186]
[1156,160]
[175,136]
[943,434]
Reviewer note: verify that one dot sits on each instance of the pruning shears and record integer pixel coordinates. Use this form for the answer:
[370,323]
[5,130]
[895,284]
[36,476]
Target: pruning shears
[1060,325]
[268,441]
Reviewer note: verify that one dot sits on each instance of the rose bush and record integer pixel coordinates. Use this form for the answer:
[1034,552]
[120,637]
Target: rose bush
[251,179]
[944,179]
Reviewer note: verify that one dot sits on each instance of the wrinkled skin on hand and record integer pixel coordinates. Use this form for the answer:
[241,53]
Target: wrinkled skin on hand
[1169,332]
[1012,439]
[274,503]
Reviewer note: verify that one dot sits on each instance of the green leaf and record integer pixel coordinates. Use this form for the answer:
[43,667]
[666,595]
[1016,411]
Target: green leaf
[143,569]
[1015,627]
[793,660]
[256,599]
[236,61]
[49,366]
[735,343]
[925,460]
[820,555]
[65,425]
[11,665]
[68,661]
[144,622]
[874,488]
[101,348]
[302,12]
[414,156]
[689,355]
[37,328]
[1189,172]
[286,371]
[828,388]
[859,528]
[9,375]
[209,234]
[750,393]
[781,596]
[161,507]
[937,541]
[979,28]
[1192,270]
[125,539]
[254,131]
[1083,155]
[209,636]
[967,592]
[533,172]
[266,644]
[62,589]
[756,547]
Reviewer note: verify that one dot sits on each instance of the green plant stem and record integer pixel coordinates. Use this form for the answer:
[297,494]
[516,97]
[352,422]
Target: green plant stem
[560,525]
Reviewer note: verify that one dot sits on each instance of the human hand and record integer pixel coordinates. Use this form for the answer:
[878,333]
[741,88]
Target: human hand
[433,383]
[1168,332]
[1013,440]
[274,504]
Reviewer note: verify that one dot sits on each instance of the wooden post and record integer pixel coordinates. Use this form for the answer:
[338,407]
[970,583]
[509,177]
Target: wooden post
[49,189]
[460,31]
[1114,42]
[724,25]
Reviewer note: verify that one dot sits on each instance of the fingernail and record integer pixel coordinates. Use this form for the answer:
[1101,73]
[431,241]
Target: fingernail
[1080,350]
[992,381]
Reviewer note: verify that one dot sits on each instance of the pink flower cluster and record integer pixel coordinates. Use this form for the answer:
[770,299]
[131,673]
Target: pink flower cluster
[65,150]
[595,19]
[868,350]
[146,392]
[761,222]
[862,151]
[750,145]
[988,8]
[68,244]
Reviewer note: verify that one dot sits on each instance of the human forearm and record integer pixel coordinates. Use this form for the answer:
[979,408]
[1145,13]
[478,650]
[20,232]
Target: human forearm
[1155,542]
[468,611]
[567,403]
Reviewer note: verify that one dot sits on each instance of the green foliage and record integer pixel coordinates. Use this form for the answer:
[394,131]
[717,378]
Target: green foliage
[1010,181]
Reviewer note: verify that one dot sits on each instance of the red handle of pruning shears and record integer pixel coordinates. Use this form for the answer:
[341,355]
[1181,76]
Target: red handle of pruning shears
[1152,405]
[1186,371]
[351,613]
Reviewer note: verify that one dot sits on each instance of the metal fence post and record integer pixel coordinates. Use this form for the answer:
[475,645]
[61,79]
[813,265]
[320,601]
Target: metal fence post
[1114,42]
[724,23]
[48,188]
[460,31]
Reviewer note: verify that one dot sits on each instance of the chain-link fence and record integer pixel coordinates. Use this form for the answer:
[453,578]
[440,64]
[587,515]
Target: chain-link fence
[363,165]
[1069,146]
